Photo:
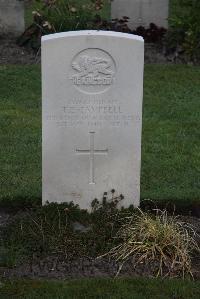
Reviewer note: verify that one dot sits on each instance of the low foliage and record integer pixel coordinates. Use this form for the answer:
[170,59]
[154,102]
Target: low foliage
[161,240]
[51,16]
[68,233]
[64,230]
[66,15]
[184,33]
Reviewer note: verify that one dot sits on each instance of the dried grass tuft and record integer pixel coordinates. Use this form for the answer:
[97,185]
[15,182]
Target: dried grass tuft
[159,239]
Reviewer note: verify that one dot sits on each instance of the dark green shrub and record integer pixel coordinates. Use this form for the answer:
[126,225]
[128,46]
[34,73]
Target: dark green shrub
[185,28]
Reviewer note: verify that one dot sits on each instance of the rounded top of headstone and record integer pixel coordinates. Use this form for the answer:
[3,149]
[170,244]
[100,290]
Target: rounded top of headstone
[92,33]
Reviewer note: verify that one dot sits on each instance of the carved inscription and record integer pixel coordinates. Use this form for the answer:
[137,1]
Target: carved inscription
[93,71]
[95,113]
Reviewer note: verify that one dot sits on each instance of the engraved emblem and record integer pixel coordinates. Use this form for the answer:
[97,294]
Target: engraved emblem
[94,71]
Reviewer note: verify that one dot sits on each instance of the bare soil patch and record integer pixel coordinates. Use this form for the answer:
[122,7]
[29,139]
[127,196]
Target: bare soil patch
[11,53]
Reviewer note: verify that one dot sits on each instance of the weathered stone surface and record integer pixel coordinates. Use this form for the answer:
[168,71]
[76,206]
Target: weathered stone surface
[92,85]
[11,17]
[141,12]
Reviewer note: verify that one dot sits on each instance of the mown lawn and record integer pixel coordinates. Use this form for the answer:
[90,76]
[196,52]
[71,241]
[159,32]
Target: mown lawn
[101,289]
[170,145]
[20,132]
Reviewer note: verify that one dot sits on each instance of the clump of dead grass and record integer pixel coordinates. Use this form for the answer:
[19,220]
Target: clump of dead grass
[159,239]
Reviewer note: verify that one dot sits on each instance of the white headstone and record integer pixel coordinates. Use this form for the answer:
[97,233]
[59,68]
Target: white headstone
[12,17]
[92,85]
[141,12]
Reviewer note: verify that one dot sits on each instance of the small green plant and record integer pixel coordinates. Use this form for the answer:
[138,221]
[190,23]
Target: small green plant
[160,240]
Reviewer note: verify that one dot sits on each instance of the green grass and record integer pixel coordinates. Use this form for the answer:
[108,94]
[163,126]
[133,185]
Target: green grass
[171,134]
[101,289]
[170,145]
[20,132]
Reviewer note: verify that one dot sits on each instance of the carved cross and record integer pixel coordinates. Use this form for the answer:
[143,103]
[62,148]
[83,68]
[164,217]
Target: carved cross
[92,152]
